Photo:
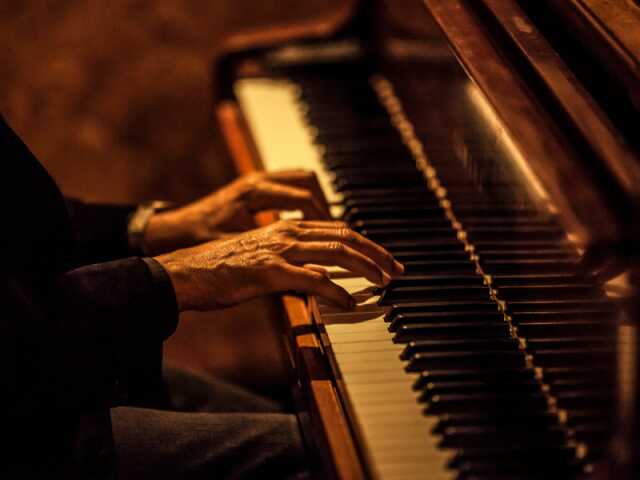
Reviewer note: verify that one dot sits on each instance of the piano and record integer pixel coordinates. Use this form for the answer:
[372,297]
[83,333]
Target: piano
[492,146]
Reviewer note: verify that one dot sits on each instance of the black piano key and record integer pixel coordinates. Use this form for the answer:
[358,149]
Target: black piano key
[601,399]
[396,200]
[438,267]
[435,280]
[550,233]
[510,222]
[599,432]
[400,223]
[575,418]
[542,266]
[446,292]
[519,245]
[478,210]
[439,404]
[385,213]
[465,359]
[425,246]
[558,291]
[586,328]
[514,255]
[373,172]
[380,235]
[436,306]
[504,375]
[341,184]
[514,469]
[443,317]
[422,331]
[535,344]
[456,254]
[477,344]
[534,279]
[338,136]
[584,305]
[552,374]
[477,386]
[504,421]
[581,383]
[388,192]
[531,456]
[563,315]
[566,356]
[486,436]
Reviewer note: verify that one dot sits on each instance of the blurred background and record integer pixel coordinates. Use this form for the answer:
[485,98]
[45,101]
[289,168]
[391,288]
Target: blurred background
[114,98]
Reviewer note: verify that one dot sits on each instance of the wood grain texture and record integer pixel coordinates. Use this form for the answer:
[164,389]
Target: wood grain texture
[331,431]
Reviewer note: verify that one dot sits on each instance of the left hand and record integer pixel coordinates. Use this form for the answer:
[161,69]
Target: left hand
[231,209]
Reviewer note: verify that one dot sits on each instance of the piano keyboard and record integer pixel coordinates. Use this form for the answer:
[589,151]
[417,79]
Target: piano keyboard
[490,358]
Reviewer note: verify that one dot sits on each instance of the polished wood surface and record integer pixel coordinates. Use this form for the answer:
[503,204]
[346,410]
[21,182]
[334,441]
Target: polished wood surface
[548,153]
[328,424]
[322,25]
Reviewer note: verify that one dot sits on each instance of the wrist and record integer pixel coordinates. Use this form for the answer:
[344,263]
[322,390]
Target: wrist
[139,223]
[181,281]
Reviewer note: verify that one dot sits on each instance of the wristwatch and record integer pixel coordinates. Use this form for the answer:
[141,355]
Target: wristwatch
[139,220]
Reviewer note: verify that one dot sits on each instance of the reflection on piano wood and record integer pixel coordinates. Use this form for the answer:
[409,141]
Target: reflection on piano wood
[494,356]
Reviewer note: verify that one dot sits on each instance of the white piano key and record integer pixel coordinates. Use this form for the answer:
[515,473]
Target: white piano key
[368,355]
[279,130]
[395,434]
[374,377]
[359,337]
[381,345]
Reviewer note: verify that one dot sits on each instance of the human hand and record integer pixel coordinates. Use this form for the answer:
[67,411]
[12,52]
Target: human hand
[231,209]
[272,259]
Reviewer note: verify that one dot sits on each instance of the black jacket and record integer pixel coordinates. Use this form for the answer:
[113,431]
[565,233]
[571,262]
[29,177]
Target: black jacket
[82,323]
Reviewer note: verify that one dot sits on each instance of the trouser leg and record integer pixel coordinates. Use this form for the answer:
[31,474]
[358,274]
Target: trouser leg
[210,429]
[188,392]
[158,445]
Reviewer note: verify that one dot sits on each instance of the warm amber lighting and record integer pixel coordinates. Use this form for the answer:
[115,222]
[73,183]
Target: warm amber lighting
[479,100]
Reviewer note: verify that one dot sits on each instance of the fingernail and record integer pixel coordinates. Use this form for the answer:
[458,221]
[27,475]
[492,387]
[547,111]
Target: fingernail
[399,266]
[384,279]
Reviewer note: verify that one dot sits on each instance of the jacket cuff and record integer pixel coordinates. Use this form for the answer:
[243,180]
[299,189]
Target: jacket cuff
[166,297]
[131,299]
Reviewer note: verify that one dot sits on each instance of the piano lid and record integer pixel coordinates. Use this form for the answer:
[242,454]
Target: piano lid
[482,78]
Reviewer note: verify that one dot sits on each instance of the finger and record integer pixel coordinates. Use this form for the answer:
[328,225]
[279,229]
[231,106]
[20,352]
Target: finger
[316,268]
[321,224]
[339,254]
[358,242]
[305,179]
[308,281]
[274,196]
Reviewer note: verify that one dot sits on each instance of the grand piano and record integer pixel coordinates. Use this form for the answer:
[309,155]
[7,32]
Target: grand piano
[493,147]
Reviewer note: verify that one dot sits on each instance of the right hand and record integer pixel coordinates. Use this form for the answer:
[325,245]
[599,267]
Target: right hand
[274,259]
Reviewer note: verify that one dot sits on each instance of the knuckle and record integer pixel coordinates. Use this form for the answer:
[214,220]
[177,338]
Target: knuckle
[336,247]
[346,233]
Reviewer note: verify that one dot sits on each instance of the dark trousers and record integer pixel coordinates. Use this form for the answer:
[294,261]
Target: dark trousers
[210,430]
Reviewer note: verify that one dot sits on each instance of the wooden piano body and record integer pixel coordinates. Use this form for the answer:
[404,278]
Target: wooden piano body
[513,74]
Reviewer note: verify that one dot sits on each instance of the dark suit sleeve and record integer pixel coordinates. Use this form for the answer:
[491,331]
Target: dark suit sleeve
[131,308]
[93,336]
[100,231]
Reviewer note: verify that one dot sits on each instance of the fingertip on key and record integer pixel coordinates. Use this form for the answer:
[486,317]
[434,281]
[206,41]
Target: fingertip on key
[352,303]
